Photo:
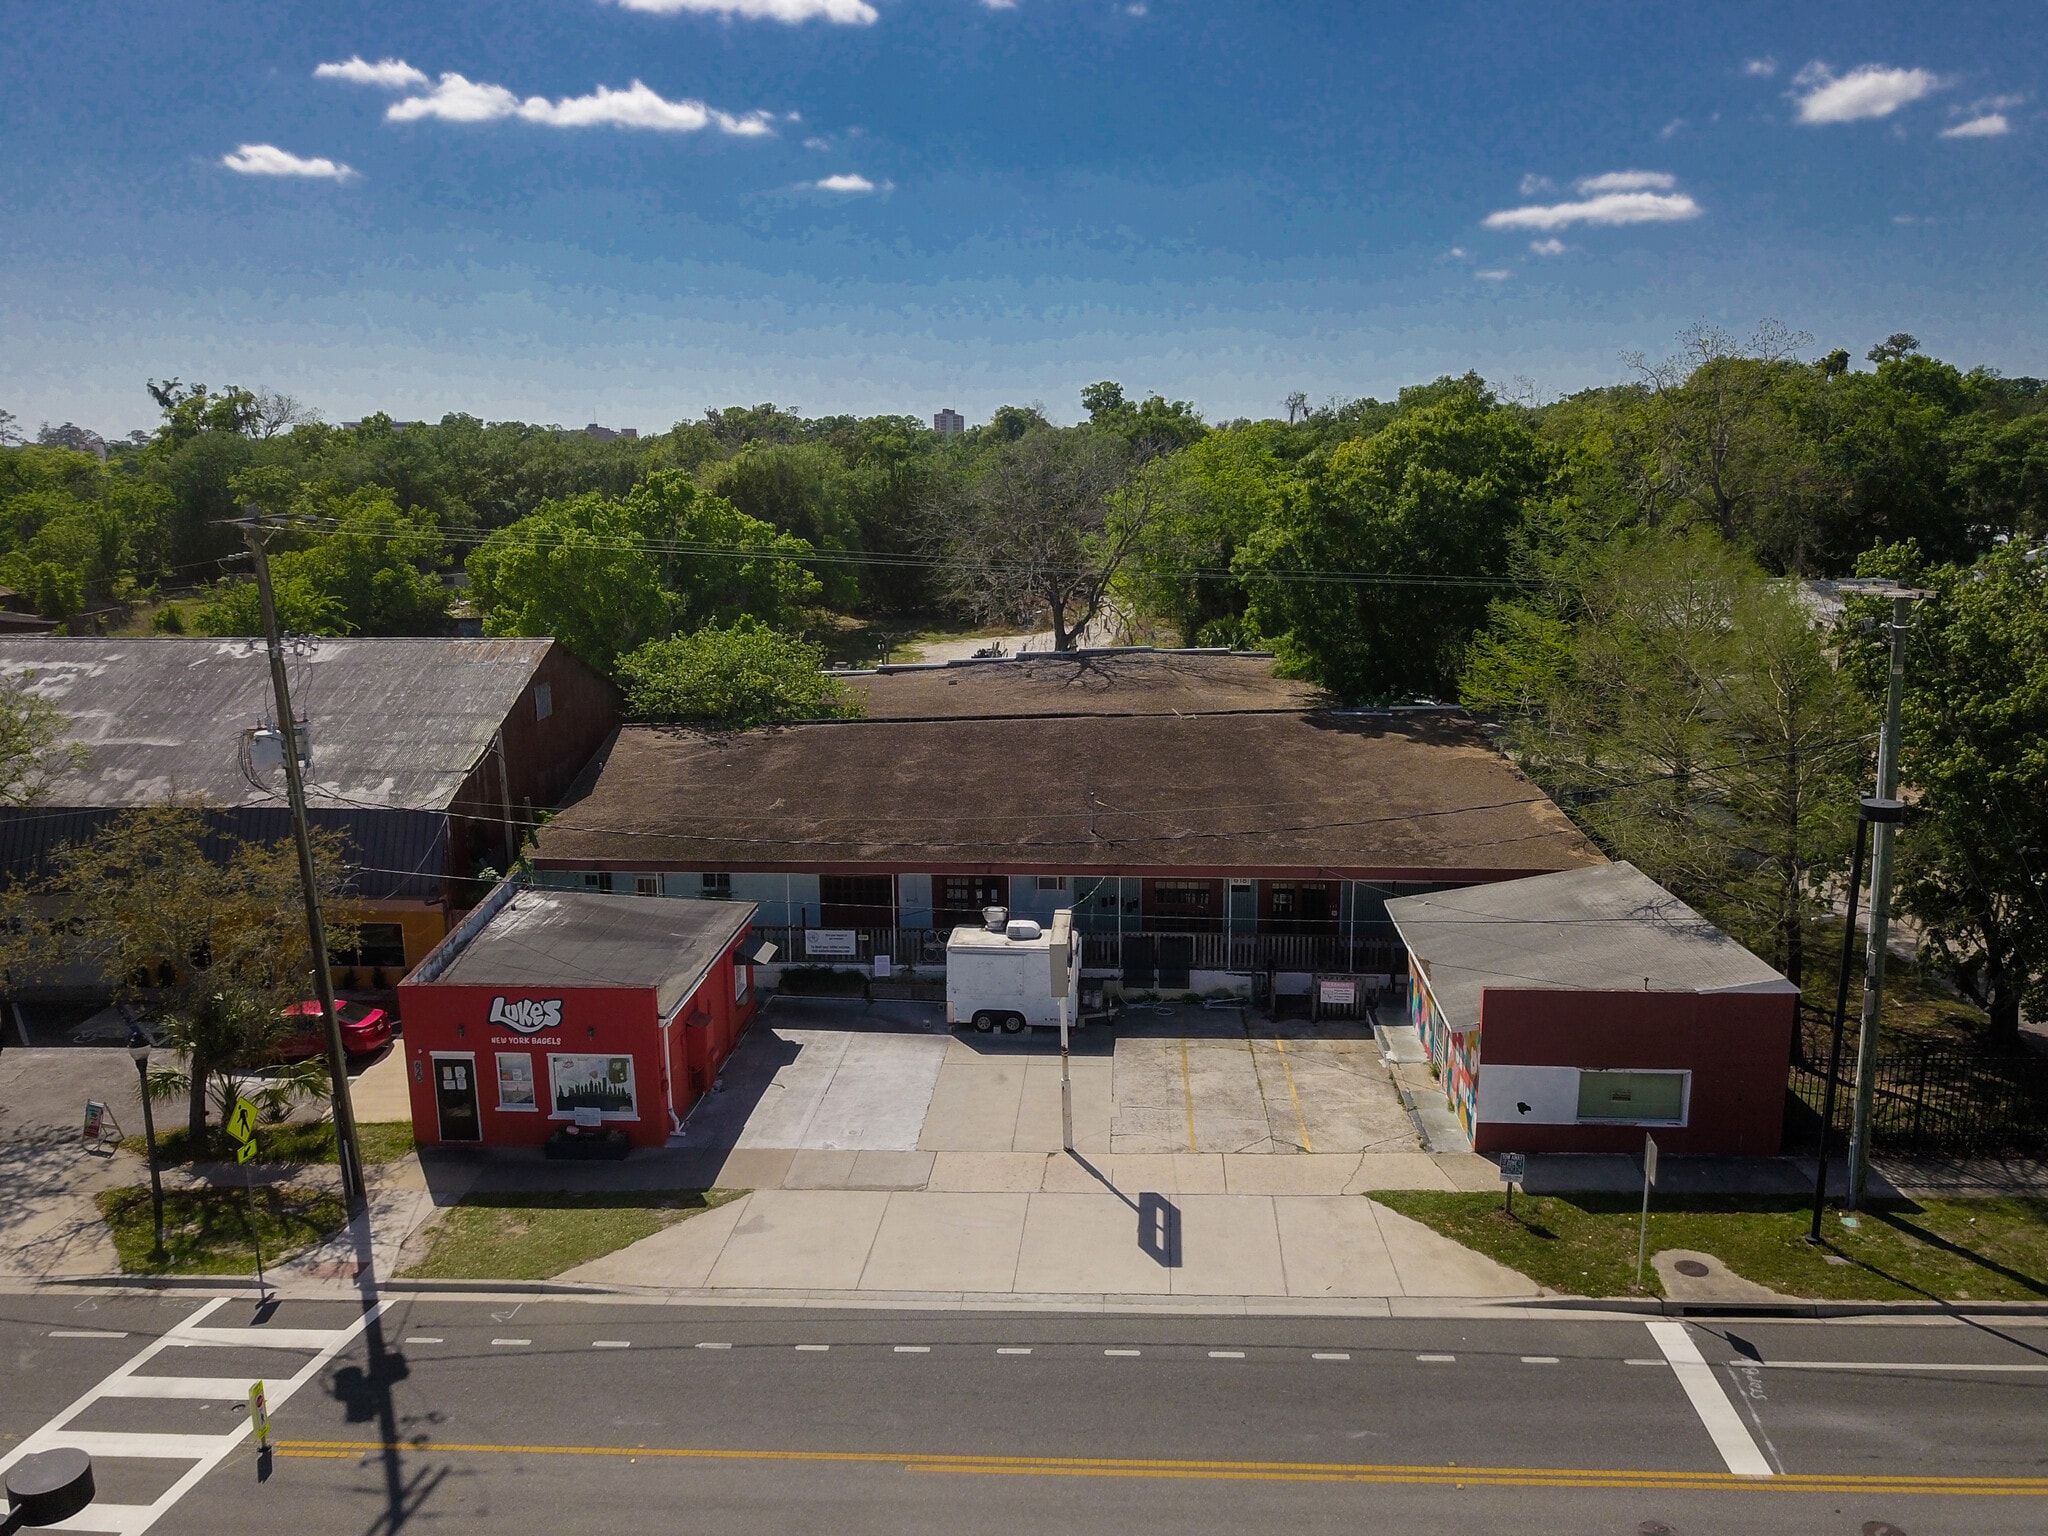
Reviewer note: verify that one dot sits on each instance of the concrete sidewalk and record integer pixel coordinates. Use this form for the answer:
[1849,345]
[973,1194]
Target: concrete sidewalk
[1107,1242]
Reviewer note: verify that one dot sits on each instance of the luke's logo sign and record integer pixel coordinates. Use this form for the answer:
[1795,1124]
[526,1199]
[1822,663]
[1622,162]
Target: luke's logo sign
[528,1015]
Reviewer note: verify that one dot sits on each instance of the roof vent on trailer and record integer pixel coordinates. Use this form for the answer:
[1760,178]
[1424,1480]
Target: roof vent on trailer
[995,917]
[1023,930]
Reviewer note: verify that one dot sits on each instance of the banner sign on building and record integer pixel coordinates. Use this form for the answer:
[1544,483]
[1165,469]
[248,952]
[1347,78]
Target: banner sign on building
[831,943]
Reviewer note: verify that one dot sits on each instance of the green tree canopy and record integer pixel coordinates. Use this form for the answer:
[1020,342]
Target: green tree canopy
[606,575]
[1436,498]
[1973,860]
[741,675]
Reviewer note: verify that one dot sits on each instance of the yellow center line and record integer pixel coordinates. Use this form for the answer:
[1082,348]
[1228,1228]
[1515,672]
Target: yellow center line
[1299,1119]
[1237,1471]
[1187,1090]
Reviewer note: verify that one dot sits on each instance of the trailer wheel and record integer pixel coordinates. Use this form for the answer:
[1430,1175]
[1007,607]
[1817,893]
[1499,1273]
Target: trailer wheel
[985,1023]
[1013,1023]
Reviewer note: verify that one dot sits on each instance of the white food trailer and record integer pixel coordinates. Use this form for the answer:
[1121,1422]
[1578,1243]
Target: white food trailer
[1012,973]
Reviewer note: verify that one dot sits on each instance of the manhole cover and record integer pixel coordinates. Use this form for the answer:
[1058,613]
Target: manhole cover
[1691,1267]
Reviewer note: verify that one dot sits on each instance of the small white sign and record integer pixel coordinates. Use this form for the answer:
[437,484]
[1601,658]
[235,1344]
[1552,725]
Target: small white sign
[1513,1165]
[1339,994]
[1649,1159]
[885,967]
[831,943]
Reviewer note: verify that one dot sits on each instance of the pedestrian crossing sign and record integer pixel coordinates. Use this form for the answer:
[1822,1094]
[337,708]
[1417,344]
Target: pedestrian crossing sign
[242,1121]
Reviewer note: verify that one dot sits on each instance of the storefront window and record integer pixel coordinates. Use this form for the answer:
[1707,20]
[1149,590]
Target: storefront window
[515,1081]
[1633,1098]
[602,1083]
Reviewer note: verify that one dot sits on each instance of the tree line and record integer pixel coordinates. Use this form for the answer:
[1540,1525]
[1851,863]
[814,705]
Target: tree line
[1613,579]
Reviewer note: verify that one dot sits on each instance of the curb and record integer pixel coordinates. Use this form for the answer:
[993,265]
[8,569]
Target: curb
[280,1281]
[1650,1306]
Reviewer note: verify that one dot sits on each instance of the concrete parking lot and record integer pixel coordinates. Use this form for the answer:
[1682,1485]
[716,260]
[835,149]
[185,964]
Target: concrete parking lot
[826,1075]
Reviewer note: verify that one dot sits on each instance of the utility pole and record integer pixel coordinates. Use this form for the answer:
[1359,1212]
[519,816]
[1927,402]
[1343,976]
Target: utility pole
[348,1148]
[1882,833]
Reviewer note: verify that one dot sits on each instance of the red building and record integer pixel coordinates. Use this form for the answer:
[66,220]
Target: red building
[543,1003]
[1576,1012]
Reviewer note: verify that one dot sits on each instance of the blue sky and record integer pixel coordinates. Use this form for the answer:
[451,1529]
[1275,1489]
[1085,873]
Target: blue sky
[630,210]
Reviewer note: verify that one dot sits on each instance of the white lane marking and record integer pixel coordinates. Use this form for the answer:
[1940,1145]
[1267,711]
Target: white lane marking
[913,1349]
[714,1346]
[205,1452]
[256,1338]
[1330,1355]
[611,1343]
[1660,1360]
[230,1389]
[1883,1365]
[1013,1351]
[1539,1359]
[1723,1424]
[1226,1354]
[1122,1354]
[88,1333]
[423,1338]
[513,1343]
[815,1349]
[1437,1359]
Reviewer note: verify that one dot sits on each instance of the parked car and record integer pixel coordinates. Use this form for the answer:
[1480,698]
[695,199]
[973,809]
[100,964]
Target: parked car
[364,1030]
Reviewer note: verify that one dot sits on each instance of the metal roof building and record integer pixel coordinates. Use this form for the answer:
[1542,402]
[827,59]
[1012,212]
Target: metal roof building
[426,751]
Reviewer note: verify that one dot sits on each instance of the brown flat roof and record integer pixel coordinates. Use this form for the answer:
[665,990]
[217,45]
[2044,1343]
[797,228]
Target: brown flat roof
[1406,795]
[1136,681]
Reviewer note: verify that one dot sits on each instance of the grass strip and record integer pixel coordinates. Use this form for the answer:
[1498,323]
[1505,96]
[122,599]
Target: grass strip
[1975,1249]
[293,1141]
[537,1235]
[207,1231]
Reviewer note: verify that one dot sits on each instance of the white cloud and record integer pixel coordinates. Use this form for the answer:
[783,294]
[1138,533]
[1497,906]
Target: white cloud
[1989,126]
[1626,181]
[386,74]
[844,183]
[1671,129]
[1550,247]
[1532,184]
[1494,275]
[1456,253]
[850,13]
[269,160]
[1608,208]
[1870,90]
[455,99]
[999,5]
[1761,69]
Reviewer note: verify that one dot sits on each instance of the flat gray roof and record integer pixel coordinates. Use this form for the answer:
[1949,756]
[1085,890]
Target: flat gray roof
[543,938]
[1610,928]
[397,723]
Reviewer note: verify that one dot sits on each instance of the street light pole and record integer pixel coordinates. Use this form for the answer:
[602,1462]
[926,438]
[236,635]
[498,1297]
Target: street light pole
[138,1049]
[1874,951]
[347,1148]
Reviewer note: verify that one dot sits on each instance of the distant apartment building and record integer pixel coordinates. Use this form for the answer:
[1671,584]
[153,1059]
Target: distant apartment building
[949,421]
[608,434]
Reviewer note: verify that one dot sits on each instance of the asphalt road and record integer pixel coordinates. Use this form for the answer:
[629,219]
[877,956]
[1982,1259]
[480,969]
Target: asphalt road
[454,1416]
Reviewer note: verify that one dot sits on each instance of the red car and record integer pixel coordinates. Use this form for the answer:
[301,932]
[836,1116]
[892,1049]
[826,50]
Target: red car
[364,1031]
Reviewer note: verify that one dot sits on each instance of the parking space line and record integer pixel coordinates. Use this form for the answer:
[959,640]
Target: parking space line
[1723,1424]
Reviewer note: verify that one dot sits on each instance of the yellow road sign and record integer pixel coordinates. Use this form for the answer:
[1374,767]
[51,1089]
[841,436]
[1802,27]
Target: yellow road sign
[242,1120]
[245,1151]
[259,1415]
